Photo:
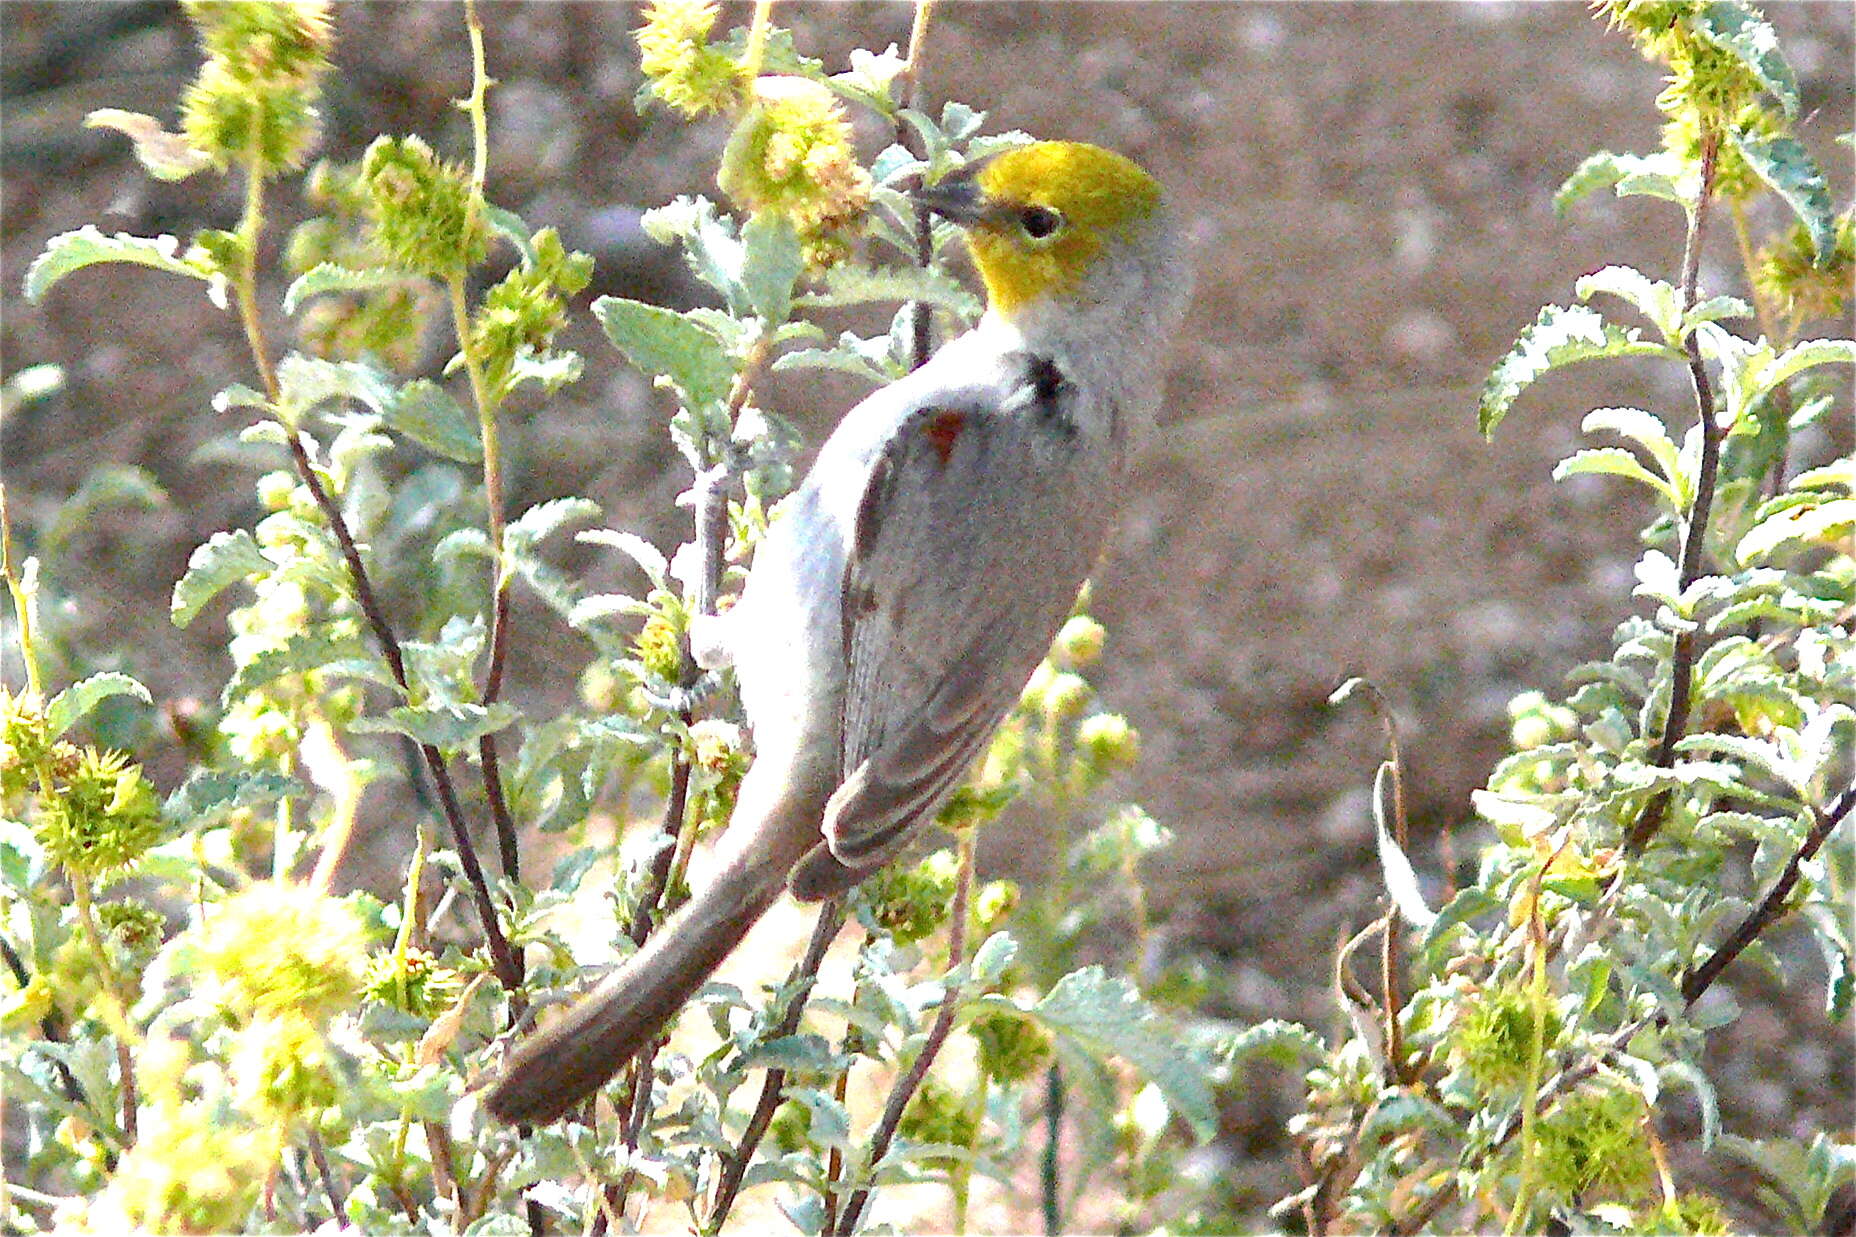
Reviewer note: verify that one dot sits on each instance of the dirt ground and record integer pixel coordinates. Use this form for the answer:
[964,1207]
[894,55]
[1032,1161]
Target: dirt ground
[1370,188]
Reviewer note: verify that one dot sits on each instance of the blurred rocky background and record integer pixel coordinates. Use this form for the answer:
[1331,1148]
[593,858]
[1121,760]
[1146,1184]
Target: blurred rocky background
[1369,188]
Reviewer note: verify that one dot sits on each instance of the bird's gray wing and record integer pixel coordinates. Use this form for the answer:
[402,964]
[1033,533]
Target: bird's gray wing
[977,525]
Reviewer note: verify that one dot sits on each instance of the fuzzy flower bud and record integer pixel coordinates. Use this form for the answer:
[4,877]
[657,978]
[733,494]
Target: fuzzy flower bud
[1793,275]
[1011,1048]
[1593,1142]
[277,947]
[416,984]
[275,42]
[1079,642]
[426,217]
[911,902]
[1065,695]
[1106,741]
[190,1171]
[280,1068]
[1494,1039]
[791,154]
[103,818]
[680,66]
[230,119]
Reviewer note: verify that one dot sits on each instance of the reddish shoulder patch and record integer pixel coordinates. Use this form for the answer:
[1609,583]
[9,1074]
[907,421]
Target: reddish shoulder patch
[942,430]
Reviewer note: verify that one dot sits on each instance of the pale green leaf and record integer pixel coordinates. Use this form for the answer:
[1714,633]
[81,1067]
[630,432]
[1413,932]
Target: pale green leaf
[1784,164]
[1560,336]
[850,285]
[1738,29]
[71,705]
[224,560]
[446,726]
[1615,461]
[1284,1043]
[1716,308]
[73,251]
[1103,1015]
[164,155]
[544,519]
[666,344]
[1654,299]
[426,413]
[1822,523]
[328,277]
[211,794]
[305,381]
[509,225]
[640,551]
[1401,879]
[1804,355]
[771,265]
[1647,430]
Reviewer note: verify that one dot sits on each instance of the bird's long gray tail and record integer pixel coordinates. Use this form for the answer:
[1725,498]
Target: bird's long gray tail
[568,1060]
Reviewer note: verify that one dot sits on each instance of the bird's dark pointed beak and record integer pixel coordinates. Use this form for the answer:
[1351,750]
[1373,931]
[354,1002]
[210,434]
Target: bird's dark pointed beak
[956,197]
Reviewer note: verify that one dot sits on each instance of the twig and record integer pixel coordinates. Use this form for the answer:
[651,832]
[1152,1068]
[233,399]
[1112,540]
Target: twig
[49,1027]
[338,1202]
[508,966]
[1050,1182]
[1695,535]
[824,931]
[921,315]
[906,1086]
[1771,906]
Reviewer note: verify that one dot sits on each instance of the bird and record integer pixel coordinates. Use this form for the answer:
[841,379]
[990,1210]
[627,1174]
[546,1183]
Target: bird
[905,592]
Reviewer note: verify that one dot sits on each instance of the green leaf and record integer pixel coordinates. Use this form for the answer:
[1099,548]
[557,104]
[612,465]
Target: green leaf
[1401,879]
[224,560]
[508,225]
[1806,355]
[72,704]
[634,547]
[164,155]
[850,285]
[211,794]
[73,251]
[426,413]
[328,277]
[1647,430]
[1716,308]
[544,519]
[1104,1014]
[106,486]
[1626,175]
[1284,1043]
[446,726]
[1654,299]
[304,651]
[668,345]
[771,265]
[1560,336]
[305,381]
[1615,461]
[991,958]
[1813,525]
[1738,29]
[1783,163]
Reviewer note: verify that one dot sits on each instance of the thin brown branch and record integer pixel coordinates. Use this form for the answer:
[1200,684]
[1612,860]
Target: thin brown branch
[906,1086]
[338,1202]
[1770,907]
[507,965]
[824,931]
[1675,724]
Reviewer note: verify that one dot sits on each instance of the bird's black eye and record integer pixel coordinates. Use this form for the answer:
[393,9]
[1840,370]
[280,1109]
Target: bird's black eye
[1040,221]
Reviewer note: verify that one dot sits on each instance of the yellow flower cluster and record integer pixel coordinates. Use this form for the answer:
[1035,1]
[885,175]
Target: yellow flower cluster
[680,66]
[278,948]
[792,155]
[255,97]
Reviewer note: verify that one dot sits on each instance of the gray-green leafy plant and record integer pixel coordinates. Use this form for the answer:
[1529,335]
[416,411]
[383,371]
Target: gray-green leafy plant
[1512,1057]
[204,1034]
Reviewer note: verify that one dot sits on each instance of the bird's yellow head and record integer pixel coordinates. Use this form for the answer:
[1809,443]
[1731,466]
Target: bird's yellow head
[1038,217]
